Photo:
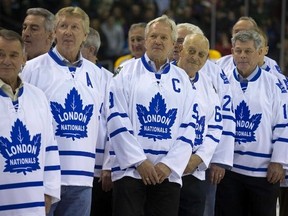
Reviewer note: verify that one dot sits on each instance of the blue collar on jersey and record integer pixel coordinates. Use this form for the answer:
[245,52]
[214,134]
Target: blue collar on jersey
[60,62]
[149,68]
[254,78]
[20,92]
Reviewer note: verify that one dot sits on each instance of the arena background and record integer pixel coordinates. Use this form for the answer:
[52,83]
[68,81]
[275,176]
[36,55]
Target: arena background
[214,17]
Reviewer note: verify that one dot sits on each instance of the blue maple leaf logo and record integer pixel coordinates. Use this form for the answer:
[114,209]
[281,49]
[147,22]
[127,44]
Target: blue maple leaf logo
[199,130]
[224,77]
[72,119]
[21,153]
[286,82]
[156,123]
[282,87]
[246,125]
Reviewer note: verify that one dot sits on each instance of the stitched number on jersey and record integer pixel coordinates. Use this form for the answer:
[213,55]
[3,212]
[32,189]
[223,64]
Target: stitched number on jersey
[111,100]
[218,115]
[227,103]
[174,82]
[285,111]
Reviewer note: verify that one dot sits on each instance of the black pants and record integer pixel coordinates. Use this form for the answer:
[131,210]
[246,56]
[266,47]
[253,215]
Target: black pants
[241,195]
[192,197]
[132,198]
[283,201]
[101,204]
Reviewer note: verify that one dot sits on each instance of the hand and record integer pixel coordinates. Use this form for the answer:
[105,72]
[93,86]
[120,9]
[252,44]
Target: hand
[193,163]
[163,171]
[148,173]
[107,183]
[216,174]
[48,202]
[275,173]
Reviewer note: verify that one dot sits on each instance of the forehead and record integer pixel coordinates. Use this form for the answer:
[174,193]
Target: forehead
[244,45]
[160,27]
[197,43]
[10,45]
[70,19]
[34,20]
[243,25]
[139,31]
[182,32]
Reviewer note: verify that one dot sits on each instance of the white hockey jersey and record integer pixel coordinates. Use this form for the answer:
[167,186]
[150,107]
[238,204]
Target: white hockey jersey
[75,95]
[225,149]
[150,117]
[29,157]
[208,117]
[102,147]
[227,64]
[261,124]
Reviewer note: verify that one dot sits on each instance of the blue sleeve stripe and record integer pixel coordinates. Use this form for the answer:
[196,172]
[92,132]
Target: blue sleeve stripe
[184,139]
[99,150]
[21,185]
[22,206]
[122,115]
[77,173]
[228,133]
[155,152]
[279,126]
[250,168]
[185,125]
[115,169]
[213,138]
[280,140]
[51,148]
[254,154]
[52,168]
[215,127]
[120,130]
[98,167]
[228,117]
[77,153]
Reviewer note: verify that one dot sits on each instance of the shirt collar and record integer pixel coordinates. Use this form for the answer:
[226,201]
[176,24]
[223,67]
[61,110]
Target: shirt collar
[8,90]
[153,66]
[66,61]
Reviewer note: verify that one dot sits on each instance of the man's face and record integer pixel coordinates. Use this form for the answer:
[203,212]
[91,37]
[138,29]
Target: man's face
[159,43]
[136,42]
[246,57]
[182,32]
[36,39]
[194,54]
[11,59]
[69,35]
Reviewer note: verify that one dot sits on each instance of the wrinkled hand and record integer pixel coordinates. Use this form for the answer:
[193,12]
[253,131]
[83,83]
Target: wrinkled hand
[48,202]
[275,173]
[106,180]
[216,174]
[193,163]
[148,173]
[163,171]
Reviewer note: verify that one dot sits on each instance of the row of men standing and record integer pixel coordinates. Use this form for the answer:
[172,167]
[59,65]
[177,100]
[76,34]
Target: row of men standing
[165,125]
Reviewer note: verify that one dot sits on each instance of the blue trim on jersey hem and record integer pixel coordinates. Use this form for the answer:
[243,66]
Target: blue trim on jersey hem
[184,139]
[155,152]
[98,167]
[21,185]
[254,154]
[250,168]
[215,127]
[99,150]
[120,130]
[22,206]
[77,173]
[52,168]
[77,153]
[185,125]
[213,138]
[228,133]
[228,117]
[122,115]
[51,148]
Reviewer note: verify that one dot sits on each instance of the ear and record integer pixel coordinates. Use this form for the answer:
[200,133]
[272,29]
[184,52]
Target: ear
[92,49]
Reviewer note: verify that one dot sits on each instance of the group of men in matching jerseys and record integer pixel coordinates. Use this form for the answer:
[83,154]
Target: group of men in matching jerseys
[171,133]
